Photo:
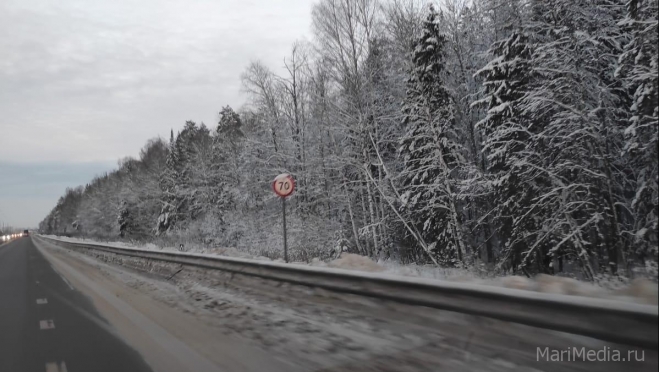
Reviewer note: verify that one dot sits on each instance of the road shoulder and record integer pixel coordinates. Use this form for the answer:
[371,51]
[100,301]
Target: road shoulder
[168,339]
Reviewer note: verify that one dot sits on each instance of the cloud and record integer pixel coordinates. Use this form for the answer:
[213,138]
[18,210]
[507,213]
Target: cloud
[88,82]
[91,81]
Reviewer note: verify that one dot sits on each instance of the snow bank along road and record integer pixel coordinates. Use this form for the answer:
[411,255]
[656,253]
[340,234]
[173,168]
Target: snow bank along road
[626,323]
[175,317]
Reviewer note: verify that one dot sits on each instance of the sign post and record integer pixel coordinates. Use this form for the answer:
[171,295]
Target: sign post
[283,218]
[283,186]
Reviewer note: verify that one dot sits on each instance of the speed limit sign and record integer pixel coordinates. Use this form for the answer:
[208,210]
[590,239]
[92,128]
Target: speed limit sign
[283,185]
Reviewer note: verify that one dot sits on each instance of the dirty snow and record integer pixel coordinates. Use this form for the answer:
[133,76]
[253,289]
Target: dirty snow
[642,291]
[320,330]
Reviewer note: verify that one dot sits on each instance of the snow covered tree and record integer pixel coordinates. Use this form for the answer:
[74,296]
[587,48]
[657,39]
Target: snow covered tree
[180,204]
[432,156]
[638,69]
[225,160]
[167,215]
[229,126]
[145,187]
[505,80]
[125,220]
[573,106]
[535,151]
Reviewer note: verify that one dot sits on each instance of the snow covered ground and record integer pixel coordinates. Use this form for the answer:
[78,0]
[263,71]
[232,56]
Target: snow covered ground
[639,290]
[318,330]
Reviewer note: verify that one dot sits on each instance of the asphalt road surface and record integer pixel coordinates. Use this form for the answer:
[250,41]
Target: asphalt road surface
[46,325]
[63,311]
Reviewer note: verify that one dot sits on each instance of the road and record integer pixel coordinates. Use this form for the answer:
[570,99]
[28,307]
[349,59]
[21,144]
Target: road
[46,325]
[61,310]
[58,314]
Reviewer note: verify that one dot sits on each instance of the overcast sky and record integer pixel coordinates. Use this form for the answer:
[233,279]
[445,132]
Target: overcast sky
[84,83]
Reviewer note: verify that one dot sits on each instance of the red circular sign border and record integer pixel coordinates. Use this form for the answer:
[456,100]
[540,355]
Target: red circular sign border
[274,188]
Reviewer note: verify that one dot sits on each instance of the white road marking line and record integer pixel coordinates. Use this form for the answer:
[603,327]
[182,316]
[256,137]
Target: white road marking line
[56,367]
[42,301]
[66,281]
[46,324]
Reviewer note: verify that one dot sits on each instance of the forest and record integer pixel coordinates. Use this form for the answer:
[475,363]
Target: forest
[519,135]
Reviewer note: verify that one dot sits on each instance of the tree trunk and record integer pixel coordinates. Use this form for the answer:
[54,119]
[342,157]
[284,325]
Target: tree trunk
[371,208]
[365,219]
[352,219]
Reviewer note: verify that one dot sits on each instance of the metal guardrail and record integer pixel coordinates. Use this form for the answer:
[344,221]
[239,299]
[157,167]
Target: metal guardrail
[614,321]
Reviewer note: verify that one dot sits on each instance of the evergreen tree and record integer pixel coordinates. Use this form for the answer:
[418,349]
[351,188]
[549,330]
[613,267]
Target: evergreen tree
[179,204]
[572,136]
[125,220]
[227,151]
[505,80]
[430,151]
[229,126]
[638,68]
